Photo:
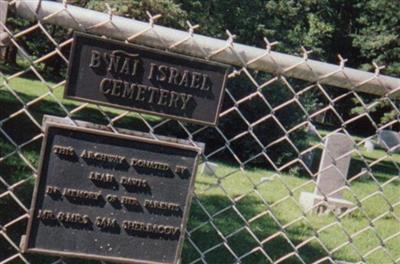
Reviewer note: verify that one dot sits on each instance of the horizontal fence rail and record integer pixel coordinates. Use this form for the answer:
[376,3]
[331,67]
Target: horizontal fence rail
[215,49]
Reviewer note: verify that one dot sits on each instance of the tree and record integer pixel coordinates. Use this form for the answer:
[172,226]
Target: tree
[251,21]
[378,35]
[172,14]
[378,40]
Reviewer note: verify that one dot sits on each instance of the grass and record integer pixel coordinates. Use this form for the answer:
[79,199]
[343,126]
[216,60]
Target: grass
[244,210]
[274,197]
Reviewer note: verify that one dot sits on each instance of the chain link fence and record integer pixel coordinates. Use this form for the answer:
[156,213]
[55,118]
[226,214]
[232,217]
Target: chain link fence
[261,159]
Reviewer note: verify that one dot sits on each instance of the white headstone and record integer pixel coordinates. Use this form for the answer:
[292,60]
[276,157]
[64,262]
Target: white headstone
[389,139]
[335,163]
[332,174]
[369,145]
[209,168]
[311,130]
[267,178]
[312,202]
[308,159]
[311,160]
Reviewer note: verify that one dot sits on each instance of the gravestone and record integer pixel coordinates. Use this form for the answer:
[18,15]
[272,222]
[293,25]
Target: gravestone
[308,159]
[311,130]
[332,174]
[311,160]
[335,164]
[209,168]
[369,145]
[268,178]
[389,139]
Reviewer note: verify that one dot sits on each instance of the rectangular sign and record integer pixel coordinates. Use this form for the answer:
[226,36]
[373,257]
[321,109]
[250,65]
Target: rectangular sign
[146,80]
[110,197]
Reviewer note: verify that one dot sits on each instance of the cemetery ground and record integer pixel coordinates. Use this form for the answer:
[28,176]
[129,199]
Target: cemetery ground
[236,200]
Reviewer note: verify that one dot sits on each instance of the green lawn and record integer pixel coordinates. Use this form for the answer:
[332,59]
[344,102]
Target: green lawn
[242,208]
[270,197]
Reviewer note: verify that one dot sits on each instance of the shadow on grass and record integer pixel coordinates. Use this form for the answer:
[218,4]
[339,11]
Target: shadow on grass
[210,237]
[22,128]
[23,64]
[382,171]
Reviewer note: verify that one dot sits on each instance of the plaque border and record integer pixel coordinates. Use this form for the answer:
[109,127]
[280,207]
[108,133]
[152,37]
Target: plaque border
[47,126]
[118,106]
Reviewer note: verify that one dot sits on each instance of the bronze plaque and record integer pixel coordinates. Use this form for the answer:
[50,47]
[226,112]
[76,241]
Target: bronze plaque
[146,80]
[110,197]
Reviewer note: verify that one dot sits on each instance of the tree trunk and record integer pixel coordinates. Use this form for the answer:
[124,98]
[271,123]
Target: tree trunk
[3,53]
[11,55]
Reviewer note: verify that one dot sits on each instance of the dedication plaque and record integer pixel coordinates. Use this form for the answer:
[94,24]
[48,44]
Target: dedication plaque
[146,80]
[110,197]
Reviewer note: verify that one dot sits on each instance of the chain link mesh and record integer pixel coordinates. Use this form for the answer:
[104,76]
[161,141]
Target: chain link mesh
[248,209]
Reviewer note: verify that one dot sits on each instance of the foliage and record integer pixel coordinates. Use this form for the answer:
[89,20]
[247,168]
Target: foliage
[378,40]
[362,30]
[172,14]
[378,37]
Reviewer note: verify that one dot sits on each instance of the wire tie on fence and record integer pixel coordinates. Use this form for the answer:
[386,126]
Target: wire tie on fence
[65,3]
[268,48]
[269,44]
[229,44]
[378,68]
[305,58]
[305,53]
[342,62]
[190,31]
[231,38]
[110,11]
[191,28]
[152,18]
